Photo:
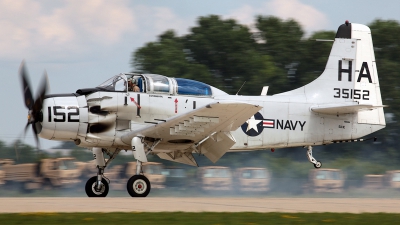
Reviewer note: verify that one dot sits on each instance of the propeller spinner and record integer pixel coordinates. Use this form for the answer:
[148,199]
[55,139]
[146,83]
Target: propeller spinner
[35,115]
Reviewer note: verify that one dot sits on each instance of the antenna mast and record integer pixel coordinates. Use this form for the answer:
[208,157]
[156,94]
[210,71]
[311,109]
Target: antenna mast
[240,88]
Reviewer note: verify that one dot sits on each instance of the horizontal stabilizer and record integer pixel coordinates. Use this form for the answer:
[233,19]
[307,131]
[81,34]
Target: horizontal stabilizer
[343,108]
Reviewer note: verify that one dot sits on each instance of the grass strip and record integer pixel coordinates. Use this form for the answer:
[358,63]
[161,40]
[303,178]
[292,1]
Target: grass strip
[186,218]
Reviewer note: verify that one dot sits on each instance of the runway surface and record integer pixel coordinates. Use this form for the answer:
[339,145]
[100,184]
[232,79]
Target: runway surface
[157,204]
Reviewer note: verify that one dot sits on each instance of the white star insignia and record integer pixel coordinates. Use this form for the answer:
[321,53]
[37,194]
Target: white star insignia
[252,124]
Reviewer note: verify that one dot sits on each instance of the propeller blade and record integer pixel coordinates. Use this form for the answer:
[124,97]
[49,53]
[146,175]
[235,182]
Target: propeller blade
[37,106]
[36,136]
[28,99]
[35,115]
[38,127]
[26,128]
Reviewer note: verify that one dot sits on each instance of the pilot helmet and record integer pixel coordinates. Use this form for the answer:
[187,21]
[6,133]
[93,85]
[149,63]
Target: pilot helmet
[131,79]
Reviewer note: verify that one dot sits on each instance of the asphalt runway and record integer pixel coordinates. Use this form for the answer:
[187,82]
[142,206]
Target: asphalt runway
[157,204]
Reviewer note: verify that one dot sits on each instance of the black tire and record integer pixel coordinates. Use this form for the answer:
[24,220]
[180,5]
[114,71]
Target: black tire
[318,165]
[47,185]
[24,189]
[138,186]
[90,188]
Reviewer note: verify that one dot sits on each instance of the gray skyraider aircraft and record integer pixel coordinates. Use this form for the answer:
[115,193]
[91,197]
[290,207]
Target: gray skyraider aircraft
[174,117]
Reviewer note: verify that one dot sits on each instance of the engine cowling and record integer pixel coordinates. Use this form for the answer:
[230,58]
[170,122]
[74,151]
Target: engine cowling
[65,117]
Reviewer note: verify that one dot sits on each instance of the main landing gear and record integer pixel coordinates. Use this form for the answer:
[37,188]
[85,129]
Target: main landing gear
[317,164]
[97,186]
[138,185]
[96,189]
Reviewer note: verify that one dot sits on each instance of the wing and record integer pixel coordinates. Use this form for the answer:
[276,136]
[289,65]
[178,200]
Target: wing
[205,130]
[339,109]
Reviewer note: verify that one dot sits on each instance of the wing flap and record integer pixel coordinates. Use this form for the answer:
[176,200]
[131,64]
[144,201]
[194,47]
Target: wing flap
[217,145]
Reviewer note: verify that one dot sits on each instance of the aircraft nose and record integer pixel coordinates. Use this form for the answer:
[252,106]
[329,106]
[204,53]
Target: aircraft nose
[64,117]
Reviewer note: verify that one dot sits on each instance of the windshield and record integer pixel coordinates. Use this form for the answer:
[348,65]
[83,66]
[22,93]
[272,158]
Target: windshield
[396,177]
[176,173]
[335,175]
[218,173]
[255,174]
[153,169]
[116,83]
[67,164]
[328,175]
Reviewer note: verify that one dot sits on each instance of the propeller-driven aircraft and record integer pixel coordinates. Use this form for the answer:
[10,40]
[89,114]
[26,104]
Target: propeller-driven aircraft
[175,118]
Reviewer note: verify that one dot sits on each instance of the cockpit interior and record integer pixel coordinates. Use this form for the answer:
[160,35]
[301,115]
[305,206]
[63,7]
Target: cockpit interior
[157,84]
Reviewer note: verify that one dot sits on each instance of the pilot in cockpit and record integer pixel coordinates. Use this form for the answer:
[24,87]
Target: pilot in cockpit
[132,85]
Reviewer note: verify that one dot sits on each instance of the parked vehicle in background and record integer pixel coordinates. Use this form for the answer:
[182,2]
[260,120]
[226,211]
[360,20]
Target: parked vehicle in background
[87,169]
[214,178]
[254,179]
[48,173]
[326,180]
[372,181]
[176,178]
[393,178]
[2,172]
[120,174]
[2,175]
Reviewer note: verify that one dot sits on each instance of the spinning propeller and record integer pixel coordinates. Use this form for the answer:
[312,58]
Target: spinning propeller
[35,115]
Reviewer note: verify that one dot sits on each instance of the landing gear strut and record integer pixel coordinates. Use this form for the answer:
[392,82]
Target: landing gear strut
[97,186]
[138,185]
[317,164]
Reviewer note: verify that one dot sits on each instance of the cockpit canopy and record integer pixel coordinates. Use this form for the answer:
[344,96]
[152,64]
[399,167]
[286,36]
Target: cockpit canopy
[158,84]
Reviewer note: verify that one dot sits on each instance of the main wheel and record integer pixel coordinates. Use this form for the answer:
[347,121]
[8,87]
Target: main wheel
[138,186]
[318,165]
[91,190]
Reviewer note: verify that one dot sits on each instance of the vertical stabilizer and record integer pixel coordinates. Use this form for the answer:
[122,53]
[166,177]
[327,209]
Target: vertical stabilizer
[350,76]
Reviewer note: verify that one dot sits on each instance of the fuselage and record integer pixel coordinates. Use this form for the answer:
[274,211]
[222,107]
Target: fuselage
[101,118]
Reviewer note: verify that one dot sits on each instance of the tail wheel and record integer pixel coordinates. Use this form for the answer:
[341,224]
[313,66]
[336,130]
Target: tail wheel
[138,186]
[318,165]
[91,189]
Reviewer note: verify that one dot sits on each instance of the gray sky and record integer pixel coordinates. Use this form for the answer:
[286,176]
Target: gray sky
[83,43]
